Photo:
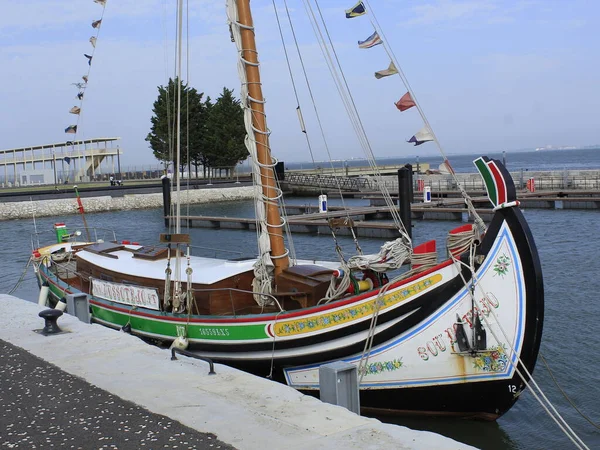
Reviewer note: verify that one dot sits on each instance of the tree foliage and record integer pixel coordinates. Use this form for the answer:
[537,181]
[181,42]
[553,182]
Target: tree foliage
[164,122]
[226,132]
[216,130]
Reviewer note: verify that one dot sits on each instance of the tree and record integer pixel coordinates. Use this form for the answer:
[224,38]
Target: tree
[198,155]
[162,137]
[225,133]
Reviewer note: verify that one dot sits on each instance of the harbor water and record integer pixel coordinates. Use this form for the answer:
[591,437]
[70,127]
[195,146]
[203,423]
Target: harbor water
[568,244]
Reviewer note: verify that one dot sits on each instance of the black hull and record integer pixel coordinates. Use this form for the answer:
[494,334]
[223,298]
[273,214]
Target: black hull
[485,400]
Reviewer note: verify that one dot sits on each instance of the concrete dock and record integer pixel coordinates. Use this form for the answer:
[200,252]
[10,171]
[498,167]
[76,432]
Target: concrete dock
[93,387]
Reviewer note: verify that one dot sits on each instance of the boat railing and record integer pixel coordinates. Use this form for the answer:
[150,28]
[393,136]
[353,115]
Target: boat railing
[243,291]
[81,235]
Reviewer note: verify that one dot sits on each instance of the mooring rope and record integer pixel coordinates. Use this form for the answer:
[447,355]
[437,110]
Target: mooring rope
[566,396]
[533,386]
[21,278]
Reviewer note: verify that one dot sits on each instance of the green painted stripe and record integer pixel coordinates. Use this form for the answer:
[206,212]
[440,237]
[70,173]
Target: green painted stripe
[56,291]
[488,179]
[250,332]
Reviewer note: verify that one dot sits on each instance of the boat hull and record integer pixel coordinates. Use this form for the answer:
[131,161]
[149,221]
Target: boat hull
[414,363]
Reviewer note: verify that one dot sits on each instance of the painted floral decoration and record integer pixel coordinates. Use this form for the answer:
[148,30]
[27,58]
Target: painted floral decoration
[502,265]
[379,367]
[495,360]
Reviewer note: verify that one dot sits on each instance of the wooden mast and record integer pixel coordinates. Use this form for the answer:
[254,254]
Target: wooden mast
[259,122]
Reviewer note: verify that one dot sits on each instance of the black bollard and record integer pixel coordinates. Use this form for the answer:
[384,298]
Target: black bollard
[405,197]
[50,316]
[166,191]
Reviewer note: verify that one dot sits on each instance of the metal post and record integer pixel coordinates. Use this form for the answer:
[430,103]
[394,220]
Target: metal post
[119,163]
[338,385]
[54,165]
[166,191]
[405,196]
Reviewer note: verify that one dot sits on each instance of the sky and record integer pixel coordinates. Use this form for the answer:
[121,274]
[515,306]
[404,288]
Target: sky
[491,75]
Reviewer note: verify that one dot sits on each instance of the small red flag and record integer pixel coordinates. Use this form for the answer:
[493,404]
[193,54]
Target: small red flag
[405,102]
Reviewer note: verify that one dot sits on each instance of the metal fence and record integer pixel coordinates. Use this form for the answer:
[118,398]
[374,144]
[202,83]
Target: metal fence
[546,183]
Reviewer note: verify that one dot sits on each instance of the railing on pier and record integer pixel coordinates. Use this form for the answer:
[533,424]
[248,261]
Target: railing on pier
[446,182]
[327,181]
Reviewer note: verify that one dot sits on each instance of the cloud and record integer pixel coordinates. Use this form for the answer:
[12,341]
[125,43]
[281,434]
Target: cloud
[448,11]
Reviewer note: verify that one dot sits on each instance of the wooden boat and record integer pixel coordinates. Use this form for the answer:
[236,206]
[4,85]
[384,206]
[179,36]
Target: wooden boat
[458,337]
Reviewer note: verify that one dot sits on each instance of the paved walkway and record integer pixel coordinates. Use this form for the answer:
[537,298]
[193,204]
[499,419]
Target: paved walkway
[95,388]
[45,407]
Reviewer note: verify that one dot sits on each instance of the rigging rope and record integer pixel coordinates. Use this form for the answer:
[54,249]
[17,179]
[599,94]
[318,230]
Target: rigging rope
[317,116]
[359,125]
[375,23]
[536,390]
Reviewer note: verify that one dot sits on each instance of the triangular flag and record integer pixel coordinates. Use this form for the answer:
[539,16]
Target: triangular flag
[356,10]
[93,41]
[448,166]
[85,78]
[89,59]
[80,95]
[371,41]
[100,2]
[391,70]
[405,102]
[75,110]
[96,23]
[422,136]
[72,129]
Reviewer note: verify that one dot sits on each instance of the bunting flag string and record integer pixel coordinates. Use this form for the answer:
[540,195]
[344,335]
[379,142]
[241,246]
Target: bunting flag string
[356,11]
[405,102]
[422,136]
[96,24]
[371,41]
[391,70]
[408,100]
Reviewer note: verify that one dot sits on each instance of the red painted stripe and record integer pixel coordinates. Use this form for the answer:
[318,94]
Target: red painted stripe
[500,184]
